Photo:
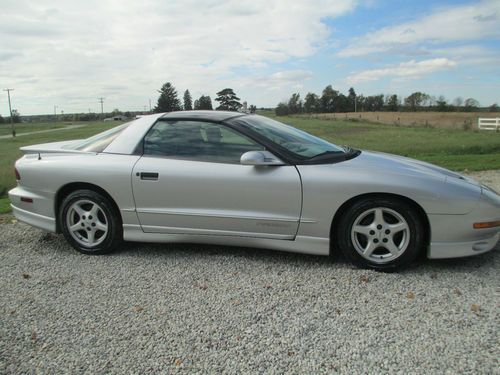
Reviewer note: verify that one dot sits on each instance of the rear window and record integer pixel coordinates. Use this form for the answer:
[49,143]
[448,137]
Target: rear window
[99,142]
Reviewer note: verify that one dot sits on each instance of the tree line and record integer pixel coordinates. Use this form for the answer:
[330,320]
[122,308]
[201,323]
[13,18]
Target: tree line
[169,101]
[332,100]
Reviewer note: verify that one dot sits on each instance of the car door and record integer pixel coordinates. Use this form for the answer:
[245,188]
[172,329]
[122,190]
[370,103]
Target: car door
[190,181]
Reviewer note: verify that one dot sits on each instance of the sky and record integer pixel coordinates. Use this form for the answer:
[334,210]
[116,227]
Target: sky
[68,53]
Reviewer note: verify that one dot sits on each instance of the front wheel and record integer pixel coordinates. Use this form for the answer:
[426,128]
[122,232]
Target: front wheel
[90,222]
[381,233]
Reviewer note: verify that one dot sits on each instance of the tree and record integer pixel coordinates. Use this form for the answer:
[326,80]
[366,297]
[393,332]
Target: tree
[295,104]
[492,108]
[16,116]
[457,102]
[416,100]
[312,103]
[392,103]
[282,109]
[441,104]
[373,103]
[252,108]
[204,102]
[168,101]
[228,101]
[328,98]
[188,101]
[2,120]
[351,98]
[470,104]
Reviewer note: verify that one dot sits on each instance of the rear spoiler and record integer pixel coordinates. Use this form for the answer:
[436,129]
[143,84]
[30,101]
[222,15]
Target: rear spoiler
[53,148]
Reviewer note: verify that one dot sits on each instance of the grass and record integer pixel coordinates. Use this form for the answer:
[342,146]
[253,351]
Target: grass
[455,149]
[5,129]
[4,205]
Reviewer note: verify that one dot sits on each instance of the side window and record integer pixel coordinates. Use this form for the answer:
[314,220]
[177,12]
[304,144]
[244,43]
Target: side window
[197,140]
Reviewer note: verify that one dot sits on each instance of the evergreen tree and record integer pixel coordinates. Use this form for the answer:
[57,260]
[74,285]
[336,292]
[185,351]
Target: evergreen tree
[168,100]
[228,101]
[204,102]
[188,101]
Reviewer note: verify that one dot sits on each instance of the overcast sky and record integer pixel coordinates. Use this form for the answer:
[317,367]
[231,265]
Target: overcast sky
[69,53]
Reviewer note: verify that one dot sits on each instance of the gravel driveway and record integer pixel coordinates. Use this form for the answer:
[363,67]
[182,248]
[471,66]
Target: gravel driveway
[207,309]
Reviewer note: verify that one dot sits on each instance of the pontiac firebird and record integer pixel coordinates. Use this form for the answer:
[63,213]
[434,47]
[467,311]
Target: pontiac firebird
[229,178]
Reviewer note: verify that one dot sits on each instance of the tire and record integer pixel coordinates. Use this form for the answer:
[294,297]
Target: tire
[381,233]
[90,222]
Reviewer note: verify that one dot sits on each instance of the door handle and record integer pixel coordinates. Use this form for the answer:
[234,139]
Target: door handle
[152,176]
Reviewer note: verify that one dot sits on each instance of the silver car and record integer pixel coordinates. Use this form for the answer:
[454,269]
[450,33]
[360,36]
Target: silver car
[228,178]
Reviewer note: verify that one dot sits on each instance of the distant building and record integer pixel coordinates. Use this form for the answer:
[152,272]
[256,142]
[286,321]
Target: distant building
[117,118]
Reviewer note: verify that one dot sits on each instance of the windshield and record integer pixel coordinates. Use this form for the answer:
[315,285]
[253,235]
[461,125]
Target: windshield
[100,141]
[296,141]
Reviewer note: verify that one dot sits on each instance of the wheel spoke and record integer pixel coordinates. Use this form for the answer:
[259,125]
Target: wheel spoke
[76,227]
[91,237]
[94,210]
[391,246]
[79,210]
[379,217]
[370,247]
[395,228]
[362,229]
[101,226]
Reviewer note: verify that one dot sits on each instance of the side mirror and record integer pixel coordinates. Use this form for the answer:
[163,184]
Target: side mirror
[260,158]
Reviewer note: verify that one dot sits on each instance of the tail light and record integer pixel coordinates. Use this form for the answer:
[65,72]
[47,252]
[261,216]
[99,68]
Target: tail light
[18,176]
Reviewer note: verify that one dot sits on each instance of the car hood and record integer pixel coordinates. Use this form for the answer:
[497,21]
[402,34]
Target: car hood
[394,164]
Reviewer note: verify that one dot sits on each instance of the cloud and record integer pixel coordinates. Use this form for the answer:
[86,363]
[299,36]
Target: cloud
[450,24]
[406,70]
[84,48]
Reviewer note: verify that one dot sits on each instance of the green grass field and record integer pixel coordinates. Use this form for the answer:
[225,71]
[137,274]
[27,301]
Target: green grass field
[5,129]
[455,149]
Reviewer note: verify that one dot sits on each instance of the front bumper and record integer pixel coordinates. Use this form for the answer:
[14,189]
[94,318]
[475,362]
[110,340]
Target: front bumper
[453,236]
[442,250]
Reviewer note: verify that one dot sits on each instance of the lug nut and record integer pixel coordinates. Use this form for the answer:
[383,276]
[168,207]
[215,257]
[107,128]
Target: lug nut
[90,217]
[379,226]
[83,217]
[372,232]
[384,240]
[375,240]
[93,224]
[387,231]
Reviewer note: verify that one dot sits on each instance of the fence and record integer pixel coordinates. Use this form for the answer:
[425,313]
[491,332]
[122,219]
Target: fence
[489,123]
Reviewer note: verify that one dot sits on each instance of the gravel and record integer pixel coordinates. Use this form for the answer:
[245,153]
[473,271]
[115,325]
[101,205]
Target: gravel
[207,309]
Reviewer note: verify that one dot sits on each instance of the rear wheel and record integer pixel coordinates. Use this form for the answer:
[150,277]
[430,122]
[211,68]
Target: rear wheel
[90,222]
[381,233]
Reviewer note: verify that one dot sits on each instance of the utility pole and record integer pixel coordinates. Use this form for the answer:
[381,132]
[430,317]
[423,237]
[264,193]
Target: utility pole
[10,110]
[355,103]
[55,112]
[101,100]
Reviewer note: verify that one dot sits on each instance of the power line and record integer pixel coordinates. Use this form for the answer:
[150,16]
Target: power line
[10,110]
